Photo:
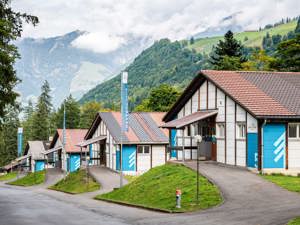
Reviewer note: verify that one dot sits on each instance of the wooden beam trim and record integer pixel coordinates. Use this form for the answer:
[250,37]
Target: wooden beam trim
[225,130]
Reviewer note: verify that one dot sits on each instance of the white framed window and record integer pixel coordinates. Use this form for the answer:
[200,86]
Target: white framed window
[144,149]
[241,130]
[294,130]
[220,130]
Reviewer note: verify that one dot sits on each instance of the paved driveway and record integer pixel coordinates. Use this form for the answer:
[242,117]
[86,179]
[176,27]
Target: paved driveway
[248,200]
[106,177]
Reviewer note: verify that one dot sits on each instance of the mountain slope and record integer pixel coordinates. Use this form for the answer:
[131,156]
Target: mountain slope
[248,38]
[164,62]
[169,62]
[67,68]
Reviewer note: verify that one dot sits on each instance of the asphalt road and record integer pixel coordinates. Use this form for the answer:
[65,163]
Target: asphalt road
[25,207]
[249,200]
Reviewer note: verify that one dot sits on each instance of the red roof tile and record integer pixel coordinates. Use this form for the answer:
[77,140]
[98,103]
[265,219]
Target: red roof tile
[251,95]
[73,137]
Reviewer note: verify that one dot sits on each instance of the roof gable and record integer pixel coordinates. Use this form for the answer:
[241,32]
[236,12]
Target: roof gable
[143,127]
[73,137]
[263,94]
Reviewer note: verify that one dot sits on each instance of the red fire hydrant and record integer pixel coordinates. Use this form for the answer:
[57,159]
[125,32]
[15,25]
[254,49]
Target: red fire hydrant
[178,198]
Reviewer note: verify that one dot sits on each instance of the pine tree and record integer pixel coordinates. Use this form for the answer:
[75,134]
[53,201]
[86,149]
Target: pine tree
[27,123]
[41,116]
[297,29]
[227,52]
[192,41]
[45,96]
[72,114]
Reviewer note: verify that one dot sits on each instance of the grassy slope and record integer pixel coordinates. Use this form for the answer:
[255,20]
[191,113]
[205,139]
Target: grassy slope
[30,179]
[254,37]
[156,189]
[75,183]
[288,182]
[295,221]
[8,176]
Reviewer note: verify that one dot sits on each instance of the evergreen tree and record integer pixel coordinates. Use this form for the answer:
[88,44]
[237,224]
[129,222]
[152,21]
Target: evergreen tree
[27,123]
[297,30]
[288,55]
[226,52]
[8,135]
[192,41]
[40,126]
[41,117]
[72,114]
[11,27]
[45,96]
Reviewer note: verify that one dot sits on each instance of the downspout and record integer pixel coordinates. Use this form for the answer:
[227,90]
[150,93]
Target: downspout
[262,145]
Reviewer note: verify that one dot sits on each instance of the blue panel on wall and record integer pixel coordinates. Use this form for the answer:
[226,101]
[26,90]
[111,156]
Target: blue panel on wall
[252,150]
[173,143]
[274,146]
[39,165]
[129,157]
[117,160]
[74,162]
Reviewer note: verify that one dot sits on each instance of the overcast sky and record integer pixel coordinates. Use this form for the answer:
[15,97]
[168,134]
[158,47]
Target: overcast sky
[110,21]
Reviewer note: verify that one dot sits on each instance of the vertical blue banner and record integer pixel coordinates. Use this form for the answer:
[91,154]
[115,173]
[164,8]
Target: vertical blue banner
[124,101]
[20,140]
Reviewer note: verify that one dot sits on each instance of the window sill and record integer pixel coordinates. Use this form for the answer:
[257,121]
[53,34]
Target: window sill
[293,139]
[241,139]
[220,138]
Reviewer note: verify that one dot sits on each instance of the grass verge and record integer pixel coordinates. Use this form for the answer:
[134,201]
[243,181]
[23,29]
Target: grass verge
[288,182]
[156,190]
[130,178]
[295,221]
[30,179]
[76,183]
[8,176]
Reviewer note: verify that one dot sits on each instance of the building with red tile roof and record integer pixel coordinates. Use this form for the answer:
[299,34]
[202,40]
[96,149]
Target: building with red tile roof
[144,144]
[248,119]
[67,156]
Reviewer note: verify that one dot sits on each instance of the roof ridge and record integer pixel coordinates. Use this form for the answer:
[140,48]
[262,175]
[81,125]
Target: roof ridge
[252,71]
[234,91]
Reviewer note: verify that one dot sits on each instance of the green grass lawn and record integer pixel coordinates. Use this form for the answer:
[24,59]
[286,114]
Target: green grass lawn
[130,178]
[30,179]
[288,182]
[295,221]
[8,176]
[156,189]
[76,183]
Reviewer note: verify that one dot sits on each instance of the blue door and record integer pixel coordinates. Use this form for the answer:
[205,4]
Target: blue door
[274,144]
[129,158]
[252,157]
[74,162]
[117,160]
[39,165]
[173,143]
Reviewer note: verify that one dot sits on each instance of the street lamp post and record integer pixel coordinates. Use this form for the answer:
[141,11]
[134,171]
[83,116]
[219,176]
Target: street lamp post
[199,140]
